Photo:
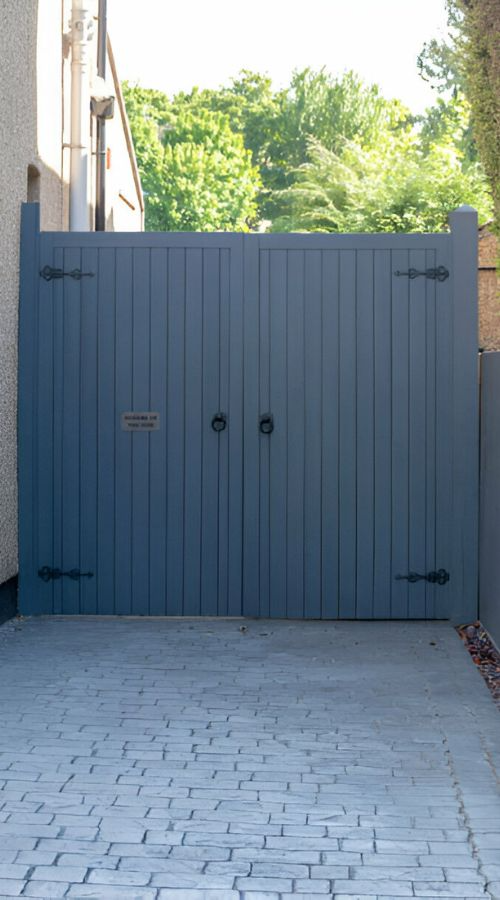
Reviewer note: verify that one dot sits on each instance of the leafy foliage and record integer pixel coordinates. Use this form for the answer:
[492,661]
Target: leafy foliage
[197,174]
[480,45]
[324,153]
[468,64]
[382,189]
[440,61]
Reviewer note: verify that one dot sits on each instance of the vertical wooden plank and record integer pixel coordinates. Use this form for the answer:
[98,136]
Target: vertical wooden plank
[464,567]
[382,523]
[71,433]
[123,448]
[34,598]
[417,435]
[140,440]
[223,446]
[279,438]
[211,440]
[430,429]
[235,436]
[489,557]
[347,436]
[447,596]
[175,425]
[295,434]
[262,489]
[251,440]
[313,433]
[51,448]
[365,443]
[158,440]
[330,349]
[193,433]
[106,431]
[400,434]
[88,434]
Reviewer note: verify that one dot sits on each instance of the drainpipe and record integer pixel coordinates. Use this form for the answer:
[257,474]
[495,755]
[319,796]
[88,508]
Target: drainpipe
[100,202]
[102,108]
[81,37]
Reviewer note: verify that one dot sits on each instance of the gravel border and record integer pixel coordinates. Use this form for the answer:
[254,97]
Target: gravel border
[484,654]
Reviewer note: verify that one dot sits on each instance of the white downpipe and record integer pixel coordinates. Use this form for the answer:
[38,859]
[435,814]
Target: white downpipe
[81,37]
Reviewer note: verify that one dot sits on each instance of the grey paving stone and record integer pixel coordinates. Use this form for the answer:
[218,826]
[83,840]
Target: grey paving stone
[11,887]
[354,782]
[92,860]
[312,888]
[70,874]
[13,870]
[176,866]
[359,887]
[449,889]
[108,892]
[259,895]
[396,873]
[204,894]
[113,877]
[279,870]
[48,890]
[277,885]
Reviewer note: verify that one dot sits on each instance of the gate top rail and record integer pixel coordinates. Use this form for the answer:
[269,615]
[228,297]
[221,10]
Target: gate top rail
[223,239]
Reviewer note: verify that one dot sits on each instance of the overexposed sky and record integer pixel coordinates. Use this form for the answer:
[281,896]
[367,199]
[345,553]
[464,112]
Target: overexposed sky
[173,46]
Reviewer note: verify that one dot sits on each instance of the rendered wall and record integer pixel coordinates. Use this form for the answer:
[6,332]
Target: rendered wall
[489,529]
[35,83]
[18,150]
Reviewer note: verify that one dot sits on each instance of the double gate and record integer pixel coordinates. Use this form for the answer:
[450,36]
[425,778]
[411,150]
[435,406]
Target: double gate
[258,425]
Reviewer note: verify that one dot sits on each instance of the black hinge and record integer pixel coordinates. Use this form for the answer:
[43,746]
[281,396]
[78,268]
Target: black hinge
[46,573]
[49,273]
[439,274]
[439,577]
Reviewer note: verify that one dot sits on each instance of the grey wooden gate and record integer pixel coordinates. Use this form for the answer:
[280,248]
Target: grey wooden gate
[309,428]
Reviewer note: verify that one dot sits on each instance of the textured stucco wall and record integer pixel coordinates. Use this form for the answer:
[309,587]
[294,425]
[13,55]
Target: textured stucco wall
[35,83]
[18,150]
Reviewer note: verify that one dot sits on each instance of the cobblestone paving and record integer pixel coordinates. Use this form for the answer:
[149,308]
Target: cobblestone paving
[154,758]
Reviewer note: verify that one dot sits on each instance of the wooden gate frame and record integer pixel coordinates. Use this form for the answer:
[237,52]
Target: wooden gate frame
[464,402]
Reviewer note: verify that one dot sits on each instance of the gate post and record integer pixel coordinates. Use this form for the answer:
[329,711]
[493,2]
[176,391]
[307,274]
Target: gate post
[465,414]
[27,392]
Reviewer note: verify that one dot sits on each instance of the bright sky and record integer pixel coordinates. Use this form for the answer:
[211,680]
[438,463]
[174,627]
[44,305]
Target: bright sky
[173,46]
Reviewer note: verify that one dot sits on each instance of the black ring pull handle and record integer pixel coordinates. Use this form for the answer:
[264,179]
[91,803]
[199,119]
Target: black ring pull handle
[266,423]
[219,421]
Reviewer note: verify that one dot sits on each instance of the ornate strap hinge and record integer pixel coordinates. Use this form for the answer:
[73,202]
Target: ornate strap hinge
[439,274]
[49,273]
[439,577]
[47,573]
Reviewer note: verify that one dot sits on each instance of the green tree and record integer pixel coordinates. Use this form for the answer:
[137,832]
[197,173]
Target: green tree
[197,174]
[448,124]
[316,106]
[467,64]
[480,46]
[395,187]
[277,125]
[440,61]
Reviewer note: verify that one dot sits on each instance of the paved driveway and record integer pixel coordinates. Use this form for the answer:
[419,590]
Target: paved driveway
[155,758]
